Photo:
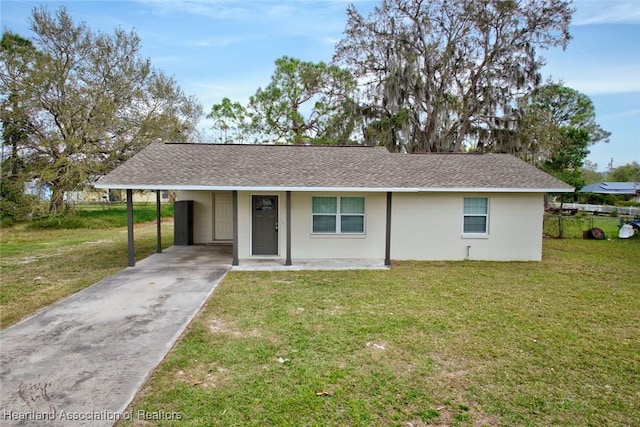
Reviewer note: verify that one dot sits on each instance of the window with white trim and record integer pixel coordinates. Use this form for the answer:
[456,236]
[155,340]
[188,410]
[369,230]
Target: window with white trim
[338,214]
[476,215]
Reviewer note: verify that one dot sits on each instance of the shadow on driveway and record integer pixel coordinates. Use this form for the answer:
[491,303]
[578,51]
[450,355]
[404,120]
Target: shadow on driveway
[82,360]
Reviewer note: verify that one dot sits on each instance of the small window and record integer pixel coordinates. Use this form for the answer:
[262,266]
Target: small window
[476,215]
[352,214]
[325,210]
[338,214]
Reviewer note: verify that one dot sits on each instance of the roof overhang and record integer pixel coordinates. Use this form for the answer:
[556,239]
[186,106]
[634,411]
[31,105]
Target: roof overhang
[332,189]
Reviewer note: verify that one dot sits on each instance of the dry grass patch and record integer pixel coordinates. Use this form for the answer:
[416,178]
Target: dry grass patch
[40,267]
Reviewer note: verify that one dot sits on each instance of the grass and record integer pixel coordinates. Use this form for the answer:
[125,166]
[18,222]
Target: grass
[41,265]
[100,217]
[425,343]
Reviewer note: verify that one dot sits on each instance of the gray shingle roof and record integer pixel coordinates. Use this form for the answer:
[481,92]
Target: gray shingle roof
[217,166]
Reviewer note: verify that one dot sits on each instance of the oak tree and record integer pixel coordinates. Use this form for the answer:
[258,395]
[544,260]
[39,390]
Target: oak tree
[557,126]
[91,102]
[442,75]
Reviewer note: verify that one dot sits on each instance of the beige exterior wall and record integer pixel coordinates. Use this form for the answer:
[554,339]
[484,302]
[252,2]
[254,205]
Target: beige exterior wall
[307,245]
[428,226]
[244,223]
[425,226]
[370,245]
[203,214]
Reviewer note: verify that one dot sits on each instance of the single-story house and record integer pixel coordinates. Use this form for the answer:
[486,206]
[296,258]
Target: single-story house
[357,202]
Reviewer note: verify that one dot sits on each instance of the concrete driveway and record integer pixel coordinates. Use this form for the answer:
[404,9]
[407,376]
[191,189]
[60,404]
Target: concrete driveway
[82,360]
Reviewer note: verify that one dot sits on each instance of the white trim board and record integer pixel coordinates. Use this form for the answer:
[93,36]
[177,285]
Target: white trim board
[333,189]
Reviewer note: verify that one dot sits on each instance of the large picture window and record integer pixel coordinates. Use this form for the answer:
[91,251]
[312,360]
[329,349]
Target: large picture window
[338,214]
[476,215]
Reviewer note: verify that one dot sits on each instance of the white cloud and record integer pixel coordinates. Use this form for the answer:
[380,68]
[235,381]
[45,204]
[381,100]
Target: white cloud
[280,10]
[621,114]
[221,9]
[590,12]
[240,89]
[221,41]
[605,80]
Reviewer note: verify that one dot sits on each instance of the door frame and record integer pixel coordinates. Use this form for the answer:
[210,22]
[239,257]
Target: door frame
[277,197]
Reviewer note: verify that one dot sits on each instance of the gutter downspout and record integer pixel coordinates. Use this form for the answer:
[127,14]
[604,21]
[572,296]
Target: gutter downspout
[387,248]
[158,224]
[288,228]
[234,194]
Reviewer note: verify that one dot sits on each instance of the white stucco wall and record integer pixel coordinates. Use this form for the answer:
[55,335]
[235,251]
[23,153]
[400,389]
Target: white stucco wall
[428,226]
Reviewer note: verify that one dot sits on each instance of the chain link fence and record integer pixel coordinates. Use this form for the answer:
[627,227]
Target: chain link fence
[575,227]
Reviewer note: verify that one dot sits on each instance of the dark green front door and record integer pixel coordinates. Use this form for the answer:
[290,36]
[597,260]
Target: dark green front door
[264,225]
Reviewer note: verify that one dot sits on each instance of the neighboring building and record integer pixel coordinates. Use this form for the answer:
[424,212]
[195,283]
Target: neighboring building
[315,202]
[90,195]
[144,196]
[614,188]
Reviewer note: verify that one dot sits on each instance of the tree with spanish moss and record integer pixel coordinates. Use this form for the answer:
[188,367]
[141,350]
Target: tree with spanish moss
[443,75]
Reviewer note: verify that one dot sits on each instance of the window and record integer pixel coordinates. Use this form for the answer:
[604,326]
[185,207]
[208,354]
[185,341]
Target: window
[476,215]
[338,214]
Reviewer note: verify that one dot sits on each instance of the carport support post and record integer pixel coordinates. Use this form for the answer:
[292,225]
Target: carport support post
[387,248]
[132,259]
[288,202]
[234,195]
[159,222]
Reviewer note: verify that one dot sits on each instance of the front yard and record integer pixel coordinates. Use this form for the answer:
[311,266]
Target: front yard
[425,343]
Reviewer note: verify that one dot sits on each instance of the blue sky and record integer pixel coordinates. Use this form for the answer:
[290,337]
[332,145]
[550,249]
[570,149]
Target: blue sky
[226,48]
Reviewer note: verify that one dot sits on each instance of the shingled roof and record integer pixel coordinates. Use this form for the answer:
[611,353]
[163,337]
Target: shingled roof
[317,168]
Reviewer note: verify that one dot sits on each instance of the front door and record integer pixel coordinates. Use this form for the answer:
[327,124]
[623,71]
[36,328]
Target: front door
[265,225]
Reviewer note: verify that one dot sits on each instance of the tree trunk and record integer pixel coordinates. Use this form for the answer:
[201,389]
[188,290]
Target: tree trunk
[56,204]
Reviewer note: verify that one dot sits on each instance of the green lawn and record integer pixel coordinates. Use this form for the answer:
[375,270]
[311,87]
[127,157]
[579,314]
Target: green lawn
[44,261]
[425,343]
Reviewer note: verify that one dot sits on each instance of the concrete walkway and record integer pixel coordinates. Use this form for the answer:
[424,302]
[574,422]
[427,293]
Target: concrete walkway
[276,264]
[82,360]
